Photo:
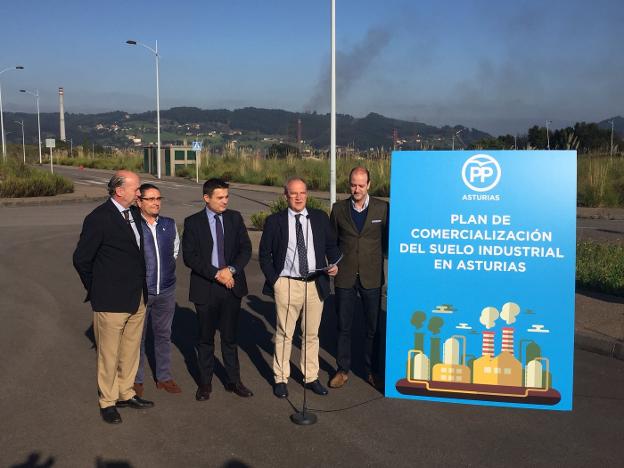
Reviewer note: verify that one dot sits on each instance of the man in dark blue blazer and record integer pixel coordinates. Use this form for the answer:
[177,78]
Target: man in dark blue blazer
[216,247]
[109,260]
[296,244]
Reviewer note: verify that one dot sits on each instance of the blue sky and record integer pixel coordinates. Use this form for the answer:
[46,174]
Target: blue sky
[499,66]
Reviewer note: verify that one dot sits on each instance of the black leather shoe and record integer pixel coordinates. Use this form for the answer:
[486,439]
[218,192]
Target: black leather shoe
[135,402]
[203,392]
[317,387]
[110,415]
[280,390]
[239,389]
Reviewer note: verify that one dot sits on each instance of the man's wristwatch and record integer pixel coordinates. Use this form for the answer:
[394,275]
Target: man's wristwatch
[232,269]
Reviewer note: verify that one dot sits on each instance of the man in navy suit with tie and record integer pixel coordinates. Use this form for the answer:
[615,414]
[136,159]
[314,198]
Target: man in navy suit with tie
[295,244]
[216,247]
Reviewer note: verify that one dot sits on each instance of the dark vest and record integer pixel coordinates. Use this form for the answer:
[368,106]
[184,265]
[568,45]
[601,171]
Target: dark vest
[165,234]
[359,217]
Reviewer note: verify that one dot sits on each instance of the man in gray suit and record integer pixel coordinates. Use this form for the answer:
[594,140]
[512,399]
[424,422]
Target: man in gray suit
[361,226]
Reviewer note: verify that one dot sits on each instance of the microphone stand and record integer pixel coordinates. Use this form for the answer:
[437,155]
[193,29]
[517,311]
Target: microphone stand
[303,417]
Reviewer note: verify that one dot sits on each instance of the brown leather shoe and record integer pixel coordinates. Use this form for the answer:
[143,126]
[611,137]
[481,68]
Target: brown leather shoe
[203,392]
[169,385]
[339,379]
[138,389]
[375,382]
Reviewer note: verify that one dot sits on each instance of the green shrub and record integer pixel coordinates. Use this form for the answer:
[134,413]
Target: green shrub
[258,219]
[114,163]
[187,172]
[600,267]
[18,181]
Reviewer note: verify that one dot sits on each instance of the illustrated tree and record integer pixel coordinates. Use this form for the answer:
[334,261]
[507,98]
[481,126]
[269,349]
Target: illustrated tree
[418,318]
[434,325]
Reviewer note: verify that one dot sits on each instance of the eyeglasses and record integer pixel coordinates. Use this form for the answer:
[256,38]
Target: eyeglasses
[151,199]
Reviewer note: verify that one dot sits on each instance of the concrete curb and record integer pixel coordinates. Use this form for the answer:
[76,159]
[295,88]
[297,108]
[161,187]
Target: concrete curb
[607,347]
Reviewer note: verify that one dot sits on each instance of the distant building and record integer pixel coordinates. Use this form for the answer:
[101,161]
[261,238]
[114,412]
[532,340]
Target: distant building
[172,157]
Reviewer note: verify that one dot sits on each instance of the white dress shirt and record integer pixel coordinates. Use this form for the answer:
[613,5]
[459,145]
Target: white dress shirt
[291,263]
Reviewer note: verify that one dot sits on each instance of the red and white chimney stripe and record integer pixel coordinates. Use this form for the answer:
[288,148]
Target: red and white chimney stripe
[508,340]
[487,346]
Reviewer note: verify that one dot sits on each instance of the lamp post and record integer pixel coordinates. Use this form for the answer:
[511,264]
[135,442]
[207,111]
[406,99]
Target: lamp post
[332,131]
[548,122]
[612,126]
[155,52]
[18,67]
[36,95]
[23,143]
[456,134]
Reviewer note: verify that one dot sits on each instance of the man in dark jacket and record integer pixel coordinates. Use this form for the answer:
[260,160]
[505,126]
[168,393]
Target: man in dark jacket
[109,259]
[162,244]
[296,244]
[216,247]
[361,225]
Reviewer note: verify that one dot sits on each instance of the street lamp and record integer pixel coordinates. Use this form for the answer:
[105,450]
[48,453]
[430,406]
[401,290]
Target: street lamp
[332,125]
[612,126]
[155,52]
[18,67]
[548,122]
[36,95]
[456,134]
[23,144]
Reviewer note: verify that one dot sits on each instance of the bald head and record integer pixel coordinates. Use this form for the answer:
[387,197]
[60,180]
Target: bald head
[123,187]
[359,183]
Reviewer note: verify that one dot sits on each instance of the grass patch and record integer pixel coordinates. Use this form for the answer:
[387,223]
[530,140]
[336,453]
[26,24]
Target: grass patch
[114,163]
[18,181]
[258,219]
[251,169]
[600,267]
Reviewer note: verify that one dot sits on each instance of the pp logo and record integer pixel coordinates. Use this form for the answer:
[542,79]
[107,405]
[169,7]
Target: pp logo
[481,173]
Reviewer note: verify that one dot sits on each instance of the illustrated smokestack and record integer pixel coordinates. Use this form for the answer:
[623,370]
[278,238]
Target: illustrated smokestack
[487,347]
[508,340]
[62,114]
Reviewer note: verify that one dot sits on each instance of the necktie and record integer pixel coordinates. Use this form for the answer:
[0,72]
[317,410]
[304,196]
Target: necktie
[301,247]
[220,243]
[126,214]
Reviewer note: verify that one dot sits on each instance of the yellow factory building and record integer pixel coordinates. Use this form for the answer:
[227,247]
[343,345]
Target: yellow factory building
[503,369]
[451,373]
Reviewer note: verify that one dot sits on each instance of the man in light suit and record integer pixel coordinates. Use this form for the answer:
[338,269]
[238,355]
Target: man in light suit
[109,260]
[361,226]
[216,247]
[296,242]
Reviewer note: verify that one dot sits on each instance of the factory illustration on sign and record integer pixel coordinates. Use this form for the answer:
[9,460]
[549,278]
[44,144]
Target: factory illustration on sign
[519,373]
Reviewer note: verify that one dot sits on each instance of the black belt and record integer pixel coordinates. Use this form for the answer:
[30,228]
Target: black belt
[300,278]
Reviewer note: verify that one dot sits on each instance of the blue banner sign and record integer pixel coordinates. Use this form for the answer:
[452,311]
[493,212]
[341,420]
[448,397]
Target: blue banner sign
[481,277]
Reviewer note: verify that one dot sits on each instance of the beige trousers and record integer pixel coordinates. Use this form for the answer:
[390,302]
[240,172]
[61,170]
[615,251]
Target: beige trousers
[118,339]
[289,305]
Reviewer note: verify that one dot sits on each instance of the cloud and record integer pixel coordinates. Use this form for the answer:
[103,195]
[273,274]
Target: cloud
[489,316]
[536,328]
[463,326]
[510,312]
[443,309]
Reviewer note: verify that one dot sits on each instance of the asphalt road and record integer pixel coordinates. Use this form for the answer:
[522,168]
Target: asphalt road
[49,407]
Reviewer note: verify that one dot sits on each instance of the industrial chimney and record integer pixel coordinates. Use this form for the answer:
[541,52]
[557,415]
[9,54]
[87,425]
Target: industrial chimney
[487,346]
[508,340]
[62,114]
